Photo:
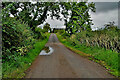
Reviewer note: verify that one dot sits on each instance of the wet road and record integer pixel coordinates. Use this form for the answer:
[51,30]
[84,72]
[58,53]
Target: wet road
[63,63]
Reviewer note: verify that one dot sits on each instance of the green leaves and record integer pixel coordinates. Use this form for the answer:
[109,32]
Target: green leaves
[92,6]
[16,32]
[77,11]
[80,17]
[75,17]
[15,36]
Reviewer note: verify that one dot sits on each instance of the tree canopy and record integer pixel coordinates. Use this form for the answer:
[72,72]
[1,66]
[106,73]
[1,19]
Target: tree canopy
[75,14]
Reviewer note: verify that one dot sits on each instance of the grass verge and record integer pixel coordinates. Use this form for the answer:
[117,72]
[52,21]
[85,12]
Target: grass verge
[106,58]
[16,69]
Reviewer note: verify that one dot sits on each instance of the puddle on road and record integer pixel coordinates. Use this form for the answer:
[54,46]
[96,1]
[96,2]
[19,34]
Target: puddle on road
[46,51]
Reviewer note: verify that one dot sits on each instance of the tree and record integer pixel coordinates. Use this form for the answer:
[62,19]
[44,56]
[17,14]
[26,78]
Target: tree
[80,18]
[46,27]
[36,14]
[33,14]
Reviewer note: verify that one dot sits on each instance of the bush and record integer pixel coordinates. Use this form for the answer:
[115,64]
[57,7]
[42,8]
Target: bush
[39,33]
[17,38]
[20,47]
[17,68]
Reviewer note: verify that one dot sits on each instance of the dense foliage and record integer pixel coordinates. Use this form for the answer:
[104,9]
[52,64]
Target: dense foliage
[17,38]
[21,30]
[79,17]
[35,14]
[16,68]
[20,40]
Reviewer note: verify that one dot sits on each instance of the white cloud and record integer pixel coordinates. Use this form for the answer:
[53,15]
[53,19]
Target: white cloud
[55,23]
[103,0]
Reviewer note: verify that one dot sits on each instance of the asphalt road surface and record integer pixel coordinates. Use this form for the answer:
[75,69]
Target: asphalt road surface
[63,63]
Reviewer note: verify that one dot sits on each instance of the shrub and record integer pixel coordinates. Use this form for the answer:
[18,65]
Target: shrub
[17,38]
[39,33]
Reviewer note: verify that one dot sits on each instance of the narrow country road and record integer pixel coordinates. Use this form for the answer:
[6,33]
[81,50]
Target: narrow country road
[63,63]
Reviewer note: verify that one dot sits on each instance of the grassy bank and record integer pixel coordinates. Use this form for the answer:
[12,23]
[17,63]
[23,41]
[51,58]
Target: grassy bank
[16,69]
[107,58]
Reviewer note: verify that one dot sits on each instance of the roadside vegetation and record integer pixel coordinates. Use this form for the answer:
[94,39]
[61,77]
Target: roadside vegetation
[16,67]
[20,44]
[101,46]
[20,47]
[22,40]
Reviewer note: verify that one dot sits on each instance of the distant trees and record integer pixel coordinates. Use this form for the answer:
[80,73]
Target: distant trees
[110,25]
[46,27]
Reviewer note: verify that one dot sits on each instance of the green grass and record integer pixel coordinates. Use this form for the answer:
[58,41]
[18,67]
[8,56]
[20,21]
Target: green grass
[106,58]
[16,69]
[0,68]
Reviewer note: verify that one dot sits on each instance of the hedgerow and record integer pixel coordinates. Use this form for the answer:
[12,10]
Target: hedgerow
[17,38]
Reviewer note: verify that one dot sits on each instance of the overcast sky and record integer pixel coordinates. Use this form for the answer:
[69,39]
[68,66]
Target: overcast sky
[105,12]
